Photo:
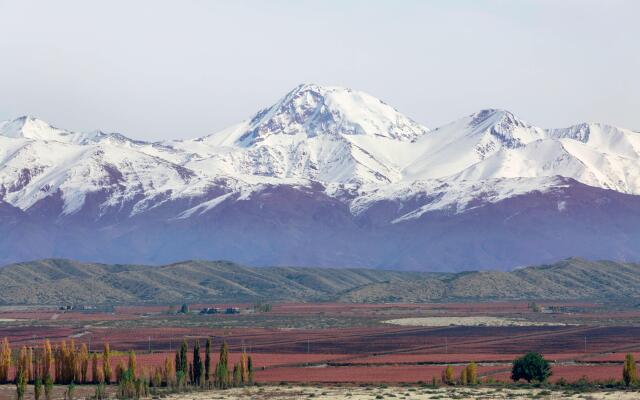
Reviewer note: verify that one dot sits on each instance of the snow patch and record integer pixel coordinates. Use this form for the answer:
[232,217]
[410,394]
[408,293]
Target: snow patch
[204,207]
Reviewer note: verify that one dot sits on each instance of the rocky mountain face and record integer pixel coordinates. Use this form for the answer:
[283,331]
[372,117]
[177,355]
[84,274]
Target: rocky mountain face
[325,177]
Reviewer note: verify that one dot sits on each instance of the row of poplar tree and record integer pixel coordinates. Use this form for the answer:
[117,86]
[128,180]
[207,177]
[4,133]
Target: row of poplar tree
[198,372]
[68,363]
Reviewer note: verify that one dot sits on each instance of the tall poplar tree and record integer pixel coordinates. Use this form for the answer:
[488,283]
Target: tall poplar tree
[169,371]
[222,368]
[184,349]
[250,368]
[62,355]
[207,359]
[182,365]
[94,369]
[244,371]
[106,364]
[47,360]
[5,361]
[83,360]
[21,365]
[629,372]
[30,372]
[197,363]
[132,365]
[237,375]
[57,364]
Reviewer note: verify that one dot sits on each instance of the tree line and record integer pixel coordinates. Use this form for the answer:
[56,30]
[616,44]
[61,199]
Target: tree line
[69,364]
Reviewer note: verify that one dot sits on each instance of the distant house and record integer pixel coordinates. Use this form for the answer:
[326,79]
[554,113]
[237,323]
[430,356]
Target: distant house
[77,308]
[211,310]
[557,309]
[216,310]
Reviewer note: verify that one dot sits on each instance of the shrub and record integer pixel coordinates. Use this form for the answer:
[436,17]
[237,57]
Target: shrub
[472,373]
[101,392]
[48,387]
[531,367]
[127,386]
[434,382]
[37,388]
[582,383]
[447,375]
[21,385]
[70,392]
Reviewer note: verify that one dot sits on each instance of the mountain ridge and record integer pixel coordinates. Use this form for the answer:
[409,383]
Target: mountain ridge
[58,281]
[324,167]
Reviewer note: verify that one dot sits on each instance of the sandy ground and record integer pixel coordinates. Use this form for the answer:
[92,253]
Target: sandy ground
[7,392]
[466,321]
[373,393]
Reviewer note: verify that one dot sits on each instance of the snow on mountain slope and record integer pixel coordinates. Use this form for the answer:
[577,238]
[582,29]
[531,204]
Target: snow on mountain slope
[319,111]
[537,159]
[604,138]
[33,170]
[328,134]
[450,149]
[608,170]
[321,158]
[454,197]
[597,155]
[28,127]
[358,148]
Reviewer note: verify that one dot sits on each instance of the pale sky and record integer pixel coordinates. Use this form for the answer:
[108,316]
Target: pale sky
[179,69]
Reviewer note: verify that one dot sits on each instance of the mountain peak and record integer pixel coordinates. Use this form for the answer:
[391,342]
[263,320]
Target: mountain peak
[505,127]
[496,116]
[29,127]
[313,110]
[309,87]
[33,128]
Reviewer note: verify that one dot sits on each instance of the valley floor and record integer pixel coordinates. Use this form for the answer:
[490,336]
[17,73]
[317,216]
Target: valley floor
[340,351]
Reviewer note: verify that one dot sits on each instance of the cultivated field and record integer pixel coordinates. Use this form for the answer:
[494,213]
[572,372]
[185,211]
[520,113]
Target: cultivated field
[331,344]
[468,321]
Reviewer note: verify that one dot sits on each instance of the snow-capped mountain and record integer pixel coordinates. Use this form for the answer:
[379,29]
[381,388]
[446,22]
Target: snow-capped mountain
[326,176]
[328,134]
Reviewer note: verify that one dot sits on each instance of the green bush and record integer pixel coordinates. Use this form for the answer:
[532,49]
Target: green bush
[531,367]
[21,385]
[48,387]
[37,388]
[70,392]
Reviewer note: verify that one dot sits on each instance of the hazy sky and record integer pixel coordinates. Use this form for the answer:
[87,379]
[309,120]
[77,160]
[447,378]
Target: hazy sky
[177,69]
